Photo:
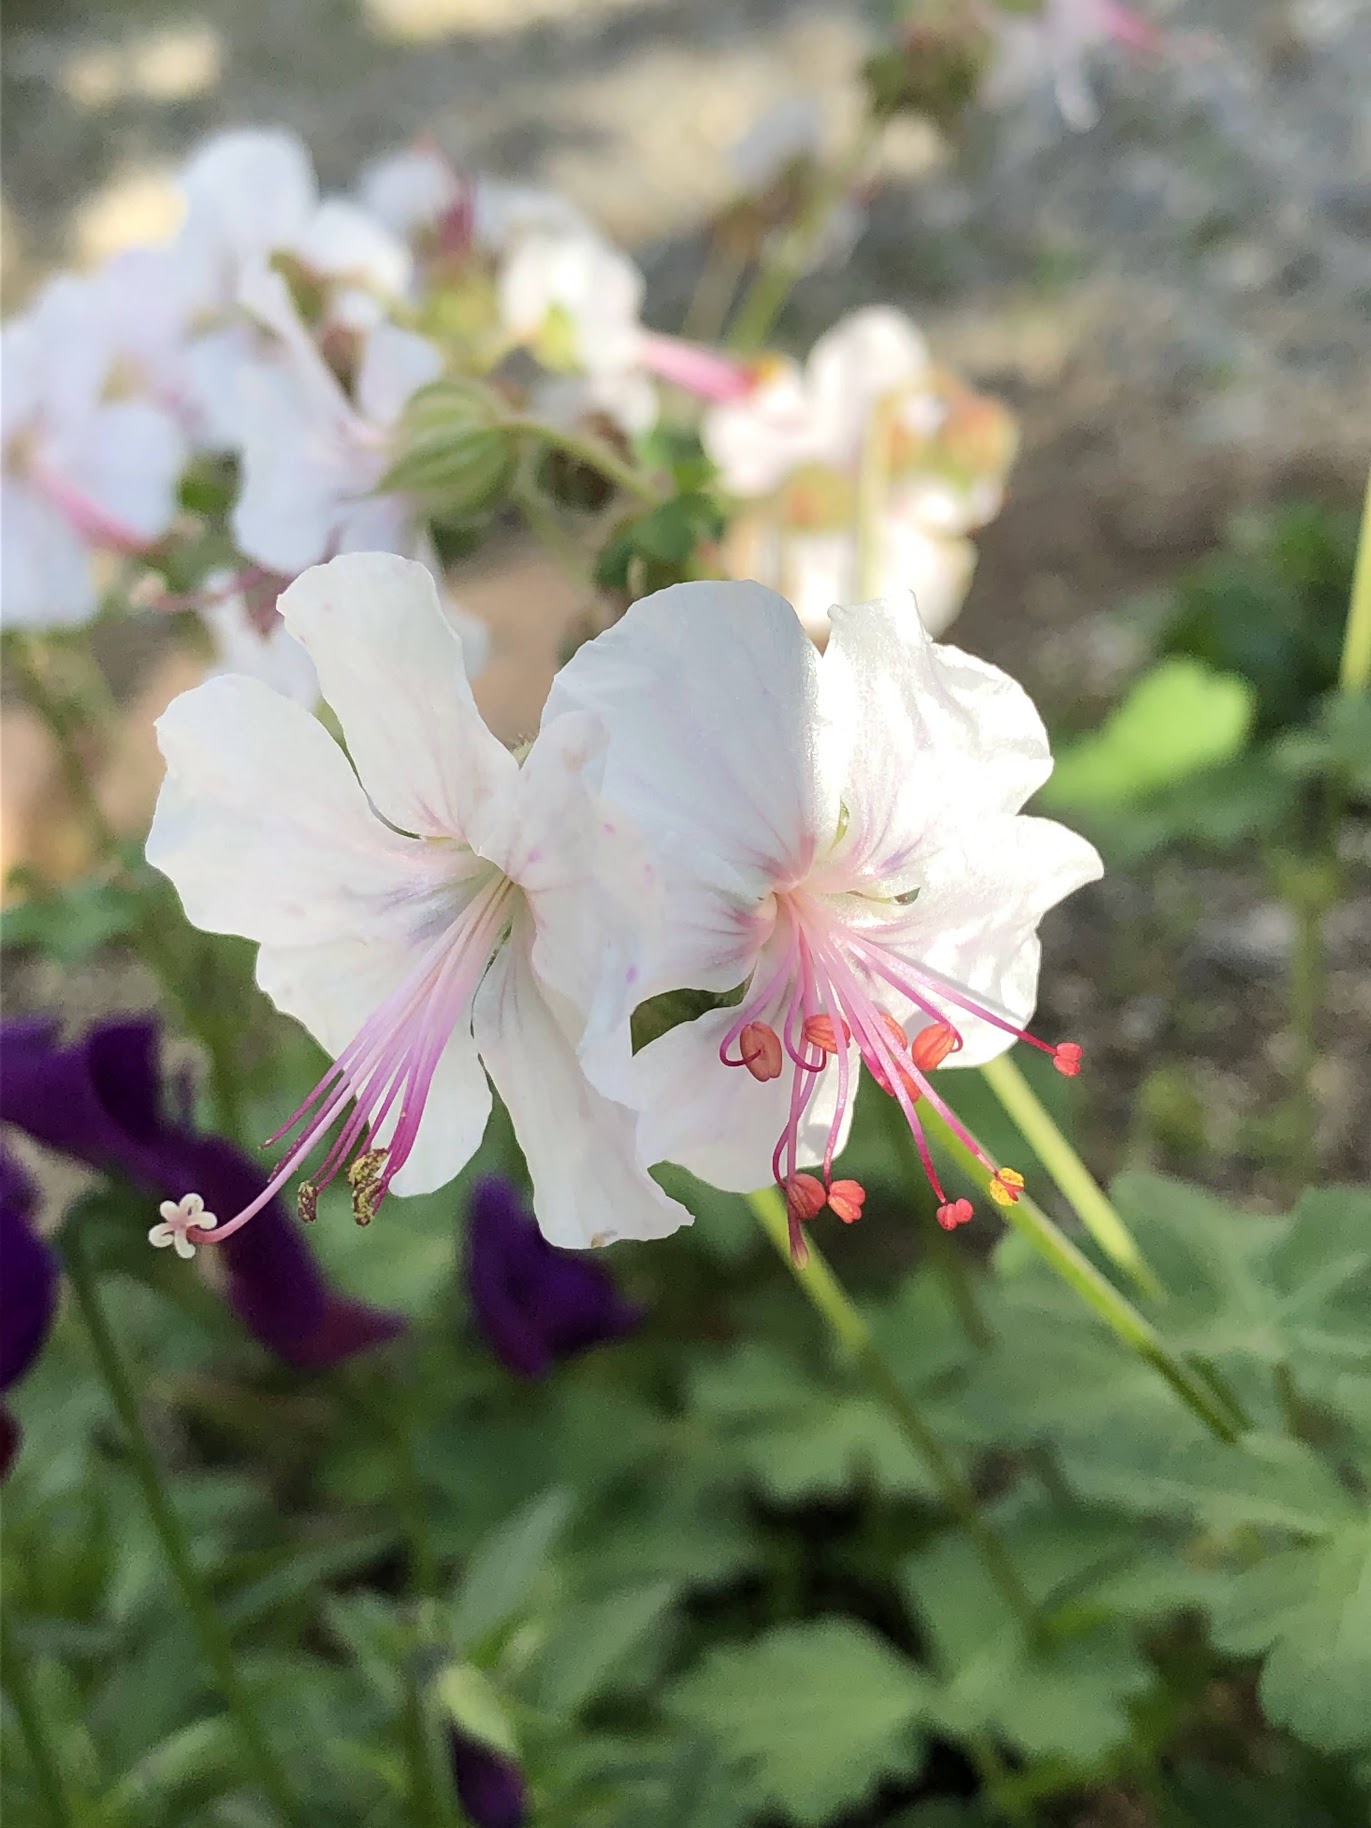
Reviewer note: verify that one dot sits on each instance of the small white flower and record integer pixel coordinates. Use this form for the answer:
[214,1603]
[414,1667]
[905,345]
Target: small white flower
[441,914]
[179,1219]
[85,472]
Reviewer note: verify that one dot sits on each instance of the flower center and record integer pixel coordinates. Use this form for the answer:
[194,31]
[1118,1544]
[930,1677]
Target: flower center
[386,1070]
[820,998]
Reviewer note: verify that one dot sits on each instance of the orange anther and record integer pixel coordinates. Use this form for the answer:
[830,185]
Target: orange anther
[955,1213]
[761,1050]
[931,1046]
[1006,1186]
[820,1032]
[846,1199]
[1066,1057]
[804,1197]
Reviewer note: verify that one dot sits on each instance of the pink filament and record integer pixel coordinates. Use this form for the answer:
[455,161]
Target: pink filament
[393,1057]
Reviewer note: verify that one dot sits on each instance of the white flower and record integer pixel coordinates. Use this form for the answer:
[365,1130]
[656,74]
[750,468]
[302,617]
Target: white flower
[840,835]
[816,569]
[179,1219]
[441,911]
[311,457]
[819,414]
[575,297]
[86,471]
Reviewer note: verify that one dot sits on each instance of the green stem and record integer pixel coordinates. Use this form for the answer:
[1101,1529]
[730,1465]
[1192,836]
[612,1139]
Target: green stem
[32,672]
[1099,1294]
[942,1247]
[1354,674]
[850,1328]
[47,1771]
[779,271]
[596,455]
[209,1627]
[714,293]
[1073,1179]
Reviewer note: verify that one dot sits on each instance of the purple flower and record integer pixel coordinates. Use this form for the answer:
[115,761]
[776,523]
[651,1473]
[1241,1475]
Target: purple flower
[101,1101]
[535,1304]
[490,1787]
[28,1290]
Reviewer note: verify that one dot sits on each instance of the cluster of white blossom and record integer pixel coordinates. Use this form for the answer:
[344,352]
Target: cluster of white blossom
[828,844]
[197,423]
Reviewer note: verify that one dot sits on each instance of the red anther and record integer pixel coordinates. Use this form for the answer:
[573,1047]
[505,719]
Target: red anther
[761,1050]
[820,1032]
[846,1199]
[894,1030]
[955,1213]
[899,1041]
[931,1046]
[805,1197]
[1066,1057]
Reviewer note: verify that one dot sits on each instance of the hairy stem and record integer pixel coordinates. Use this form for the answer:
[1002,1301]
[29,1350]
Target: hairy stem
[210,1629]
[47,1770]
[1100,1295]
[848,1326]
[1074,1180]
[1354,674]
[779,271]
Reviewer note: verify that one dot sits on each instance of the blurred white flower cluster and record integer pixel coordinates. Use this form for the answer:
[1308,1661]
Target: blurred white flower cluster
[196,423]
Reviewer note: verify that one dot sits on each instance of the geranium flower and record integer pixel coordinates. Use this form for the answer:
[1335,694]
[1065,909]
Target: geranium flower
[443,907]
[489,1784]
[89,469]
[792,444]
[100,1100]
[535,1304]
[839,838]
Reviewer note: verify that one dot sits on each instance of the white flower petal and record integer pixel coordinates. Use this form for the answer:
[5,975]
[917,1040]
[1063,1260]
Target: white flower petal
[275,658]
[976,916]
[127,462]
[923,737]
[580,1147]
[410,190]
[710,694]
[864,358]
[390,665]
[341,241]
[264,830]
[755,442]
[45,579]
[718,1120]
[301,470]
[247,192]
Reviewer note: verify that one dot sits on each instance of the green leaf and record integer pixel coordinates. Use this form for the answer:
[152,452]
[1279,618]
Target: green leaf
[1309,1609]
[1179,719]
[1066,1698]
[1267,1481]
[71,925]
[1335,745]
[798,1438]
[591,1640]
[503,1568]
[812,1715]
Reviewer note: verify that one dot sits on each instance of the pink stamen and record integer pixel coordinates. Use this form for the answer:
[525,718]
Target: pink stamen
[825,987]
[392,1059]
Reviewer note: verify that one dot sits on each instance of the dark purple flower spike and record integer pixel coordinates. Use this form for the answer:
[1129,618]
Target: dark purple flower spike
[101,1101]
[490,1786]
[535,1304]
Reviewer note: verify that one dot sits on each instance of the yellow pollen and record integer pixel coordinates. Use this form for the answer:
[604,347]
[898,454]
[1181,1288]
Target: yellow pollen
[1005,1187]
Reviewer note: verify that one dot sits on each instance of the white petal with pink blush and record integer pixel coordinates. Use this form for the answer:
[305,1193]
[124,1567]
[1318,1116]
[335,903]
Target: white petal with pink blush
[431,909]
[841,842]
